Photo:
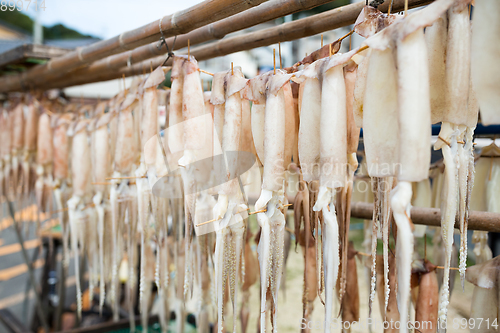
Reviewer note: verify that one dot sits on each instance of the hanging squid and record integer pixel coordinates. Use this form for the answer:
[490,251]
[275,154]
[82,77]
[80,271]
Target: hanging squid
[44,163]
[458,112]
[230,240]
[272,222]
[146,177]
[29,153]
[6,150]
[62,183]
[484,65]
[18,127]
[414,116]
[176,148]
[100,171]
[333,163]
[78,213]
[378,107]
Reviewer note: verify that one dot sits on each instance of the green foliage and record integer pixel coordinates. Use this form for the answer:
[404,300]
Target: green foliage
[59,31]
[18,20]
[25,23]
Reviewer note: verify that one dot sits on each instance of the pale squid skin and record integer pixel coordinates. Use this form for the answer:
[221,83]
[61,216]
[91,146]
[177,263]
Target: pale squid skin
[455,158]
[229,193]
[360,88]
[149,131]
[218,100]
[193,104]
[415,131]
[458,64]
[256,92]
[274,136]
[231,132]
[484,60]
[101,169]
[309,142]
[80,171]
[246,139]
[381,111]
[176,146]
[272,222]
[192,107]
[333,132]
[125,156]
[149,119]
[258,116]
[61,146]
[381,147]
[80,161]
[333,163]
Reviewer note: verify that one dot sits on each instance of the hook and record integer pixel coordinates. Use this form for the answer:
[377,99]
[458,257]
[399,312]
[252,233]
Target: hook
[170,53]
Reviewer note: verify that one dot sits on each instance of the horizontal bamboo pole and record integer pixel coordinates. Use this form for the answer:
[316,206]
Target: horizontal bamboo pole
[312,25]
[217,30]
[178,23]
[484,221]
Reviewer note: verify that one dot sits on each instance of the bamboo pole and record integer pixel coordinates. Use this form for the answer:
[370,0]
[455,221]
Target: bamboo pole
[217,30]
[171,25]
[312,25]
[485,221]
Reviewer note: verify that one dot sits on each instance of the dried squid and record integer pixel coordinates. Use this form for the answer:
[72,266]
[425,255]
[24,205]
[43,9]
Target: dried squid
[18,125]
[146,177]
[62,183]
[458,112]
[45,159]
[230,240]
[414,117]
[377,106]
[272,222]
[333,157]
[6,150]
[78,213]
[100,171]
[30,136]
[485,52]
